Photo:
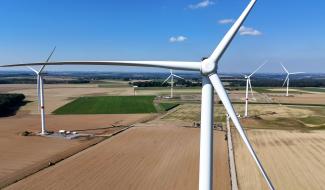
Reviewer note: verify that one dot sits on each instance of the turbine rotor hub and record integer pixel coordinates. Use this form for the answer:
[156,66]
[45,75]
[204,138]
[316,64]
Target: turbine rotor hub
[208,67]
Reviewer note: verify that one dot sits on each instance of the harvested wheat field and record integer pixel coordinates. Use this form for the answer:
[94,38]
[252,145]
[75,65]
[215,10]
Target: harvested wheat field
[23,155]
[293,159]
[310,98]
[152,157]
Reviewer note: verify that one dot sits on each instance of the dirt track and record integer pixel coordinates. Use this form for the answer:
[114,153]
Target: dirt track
[292,159]
[157,157]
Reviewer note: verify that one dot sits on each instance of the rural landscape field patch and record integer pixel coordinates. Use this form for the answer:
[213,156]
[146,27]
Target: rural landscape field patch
[109,105]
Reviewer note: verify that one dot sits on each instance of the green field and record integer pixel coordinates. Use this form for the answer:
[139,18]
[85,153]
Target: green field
[109,105]
[314,120]
[313,89]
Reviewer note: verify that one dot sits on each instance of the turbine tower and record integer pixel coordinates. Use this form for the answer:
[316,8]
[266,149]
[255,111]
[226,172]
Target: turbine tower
[287,80]
[210,83]
[249,85]
[171,77]
[40,92]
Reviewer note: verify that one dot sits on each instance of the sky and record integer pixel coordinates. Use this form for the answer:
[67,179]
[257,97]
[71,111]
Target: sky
[287,31]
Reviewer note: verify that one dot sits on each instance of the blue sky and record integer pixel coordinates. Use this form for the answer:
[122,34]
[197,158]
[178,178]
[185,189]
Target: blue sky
[288,31]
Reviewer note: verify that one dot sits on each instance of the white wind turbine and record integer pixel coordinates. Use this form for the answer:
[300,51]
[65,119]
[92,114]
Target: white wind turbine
[249,85]
[171,77]
[210,82]
[40,92]
[287,80]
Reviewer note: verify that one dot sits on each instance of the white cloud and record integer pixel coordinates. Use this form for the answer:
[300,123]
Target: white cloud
[177,39]
[226,21]
[201,4]
[247,31]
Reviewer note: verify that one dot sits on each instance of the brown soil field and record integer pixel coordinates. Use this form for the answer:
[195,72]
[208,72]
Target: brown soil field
[292,159]
[156,156]
[21,156]
[312,98]
[4,88]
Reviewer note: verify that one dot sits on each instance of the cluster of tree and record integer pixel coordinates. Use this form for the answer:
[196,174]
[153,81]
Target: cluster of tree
[157,83]
[10,103]
[148,83]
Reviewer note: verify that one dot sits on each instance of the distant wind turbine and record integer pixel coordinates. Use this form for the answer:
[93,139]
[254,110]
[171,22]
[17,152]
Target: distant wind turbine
[171,77]
[40,92]
[249,85]
[287,80]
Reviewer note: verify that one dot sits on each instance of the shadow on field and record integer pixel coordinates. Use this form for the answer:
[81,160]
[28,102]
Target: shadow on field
[12,110]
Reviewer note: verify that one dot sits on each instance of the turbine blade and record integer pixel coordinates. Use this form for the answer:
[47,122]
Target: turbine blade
[284,68]
[295,73]
[217,84]
[167,79]
[285,80]
[49,57]
[191,66]
[222,46]
[31,68]
[258,68]
[178,76]
[47,60]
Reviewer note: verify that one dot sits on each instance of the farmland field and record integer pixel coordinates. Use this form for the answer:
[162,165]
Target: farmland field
[109,105]
[313,89]
[287,138]
[158,156]
[23,155]
[292,159]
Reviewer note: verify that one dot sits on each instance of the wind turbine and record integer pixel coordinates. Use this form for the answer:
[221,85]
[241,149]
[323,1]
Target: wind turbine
[171,77]
[210,82]
[249,85]
[287,80]
[40,92]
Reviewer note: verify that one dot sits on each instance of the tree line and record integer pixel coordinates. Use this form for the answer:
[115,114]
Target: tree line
[10,103]
[156,83]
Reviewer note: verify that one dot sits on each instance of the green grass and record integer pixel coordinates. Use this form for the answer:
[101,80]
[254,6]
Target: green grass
[313,89]
[168,106]
[109,105]
[313,120]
